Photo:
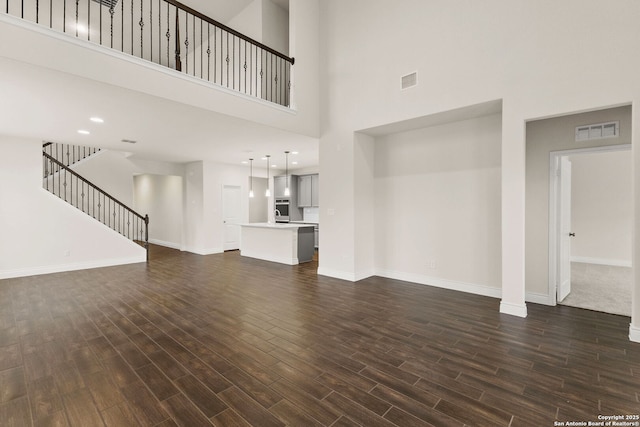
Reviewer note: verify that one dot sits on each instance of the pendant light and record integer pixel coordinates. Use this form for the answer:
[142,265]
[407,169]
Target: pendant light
[251,178]
[287,192]
[268,192]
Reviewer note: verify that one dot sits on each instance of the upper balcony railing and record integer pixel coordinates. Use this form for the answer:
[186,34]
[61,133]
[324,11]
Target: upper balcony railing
[169,33]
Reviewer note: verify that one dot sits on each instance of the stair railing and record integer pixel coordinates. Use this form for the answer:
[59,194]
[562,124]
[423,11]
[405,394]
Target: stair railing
[172,34]
[67,154]
[90,199]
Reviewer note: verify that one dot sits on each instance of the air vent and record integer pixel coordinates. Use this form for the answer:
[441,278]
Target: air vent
[409,80]
[108,3]
[598,131]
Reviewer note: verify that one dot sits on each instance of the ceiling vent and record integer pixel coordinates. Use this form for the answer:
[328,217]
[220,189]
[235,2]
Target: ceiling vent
[409,80]
[108,3]
[598,131]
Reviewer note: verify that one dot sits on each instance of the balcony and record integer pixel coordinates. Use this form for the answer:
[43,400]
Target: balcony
[170,34]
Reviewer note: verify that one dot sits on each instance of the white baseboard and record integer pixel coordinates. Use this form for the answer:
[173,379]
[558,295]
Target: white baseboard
[203,251]
[602,261]
[337,274]
[49,269]
[519,310]
[471,288]
[166,244]
[634,333]
[537,298]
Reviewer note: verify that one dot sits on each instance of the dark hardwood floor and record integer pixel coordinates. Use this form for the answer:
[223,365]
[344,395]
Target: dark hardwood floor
[224,340]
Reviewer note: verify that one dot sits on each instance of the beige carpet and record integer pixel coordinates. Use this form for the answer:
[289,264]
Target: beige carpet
[600,288]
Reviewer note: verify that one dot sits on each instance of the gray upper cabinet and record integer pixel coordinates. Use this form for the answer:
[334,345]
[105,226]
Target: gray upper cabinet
[308,191]
[315,190]
[279,184]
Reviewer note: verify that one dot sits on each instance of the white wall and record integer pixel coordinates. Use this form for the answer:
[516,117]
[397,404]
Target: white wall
[437,205]
[602,208]
[544,136]
[43,234]
[537,57]
[161,197]
[275,27]
[112,172]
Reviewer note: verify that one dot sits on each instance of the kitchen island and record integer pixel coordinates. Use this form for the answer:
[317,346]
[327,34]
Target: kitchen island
[285,243]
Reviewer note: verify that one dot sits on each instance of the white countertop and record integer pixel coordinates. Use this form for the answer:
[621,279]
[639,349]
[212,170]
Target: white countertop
[282,226]
[305,222]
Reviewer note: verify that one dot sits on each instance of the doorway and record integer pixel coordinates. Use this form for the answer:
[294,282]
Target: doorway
[591,211]
[232,215]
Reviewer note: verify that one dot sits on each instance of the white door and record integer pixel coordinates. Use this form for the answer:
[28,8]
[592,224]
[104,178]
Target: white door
[564,251]
[231,212]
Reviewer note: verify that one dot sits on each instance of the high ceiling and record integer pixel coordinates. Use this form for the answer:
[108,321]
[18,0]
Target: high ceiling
[52,106]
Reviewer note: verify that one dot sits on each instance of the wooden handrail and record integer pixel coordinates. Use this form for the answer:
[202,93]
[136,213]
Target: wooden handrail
[229,30]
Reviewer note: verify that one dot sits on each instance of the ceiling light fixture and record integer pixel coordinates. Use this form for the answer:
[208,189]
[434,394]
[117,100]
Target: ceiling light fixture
[287,192]
[96,120]
[83,132]
[251,178]
[268,192]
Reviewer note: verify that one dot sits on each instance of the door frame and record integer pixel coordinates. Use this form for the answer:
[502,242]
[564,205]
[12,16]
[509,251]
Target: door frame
[554,208]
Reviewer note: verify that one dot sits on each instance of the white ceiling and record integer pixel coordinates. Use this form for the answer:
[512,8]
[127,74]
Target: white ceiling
[52,106]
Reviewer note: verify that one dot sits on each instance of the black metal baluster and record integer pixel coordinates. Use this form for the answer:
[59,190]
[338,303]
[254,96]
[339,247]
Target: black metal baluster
[131,22]
[64,16]
[100,27]
[215,48]
[160,32]
[141,23]
[245,67]
[194,46]
[151,30]
[89,20]
[227,59]
[209,52]
[37,11]
[178,62]
[250,69]
[233,62]
[50,13]
[77,7]
[122,26]
[22,9]
[111,12]
[186,43]
[201,52]
[168,37]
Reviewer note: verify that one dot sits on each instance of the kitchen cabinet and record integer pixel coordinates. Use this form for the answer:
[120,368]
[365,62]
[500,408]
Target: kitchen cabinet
[308,191]
[279,184]
[315,190]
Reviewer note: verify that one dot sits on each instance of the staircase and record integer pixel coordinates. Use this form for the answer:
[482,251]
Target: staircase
[60,180]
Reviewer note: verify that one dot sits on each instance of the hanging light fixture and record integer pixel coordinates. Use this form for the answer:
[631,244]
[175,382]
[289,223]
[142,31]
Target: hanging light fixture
[287,192]
[268,192]
[251,178]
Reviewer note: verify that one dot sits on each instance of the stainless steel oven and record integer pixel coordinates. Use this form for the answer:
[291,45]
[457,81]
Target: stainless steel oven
[282,210]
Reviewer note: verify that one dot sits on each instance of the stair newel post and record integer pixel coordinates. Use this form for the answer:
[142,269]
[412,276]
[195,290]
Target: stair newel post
[146,234]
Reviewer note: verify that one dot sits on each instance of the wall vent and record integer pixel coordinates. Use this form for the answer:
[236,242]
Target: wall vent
[409,80]
[108,3]
[598,131]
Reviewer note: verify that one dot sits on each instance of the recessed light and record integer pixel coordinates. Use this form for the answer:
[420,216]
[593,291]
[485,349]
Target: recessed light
[84,132]
[96,120]
[294,152]
[264,158]
[244,162]
[274,166]
[294,163]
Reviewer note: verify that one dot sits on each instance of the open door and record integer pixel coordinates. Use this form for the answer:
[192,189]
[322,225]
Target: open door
[231,205]
[564,250]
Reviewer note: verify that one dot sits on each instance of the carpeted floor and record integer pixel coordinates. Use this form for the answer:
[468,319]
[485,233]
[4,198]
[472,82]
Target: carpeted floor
[600,288]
